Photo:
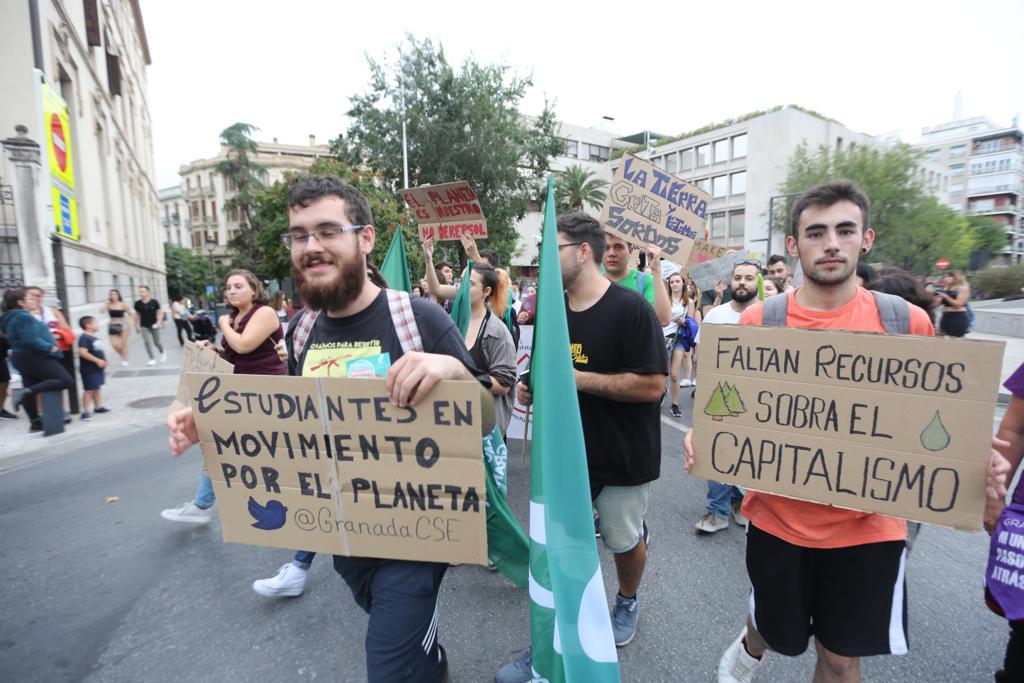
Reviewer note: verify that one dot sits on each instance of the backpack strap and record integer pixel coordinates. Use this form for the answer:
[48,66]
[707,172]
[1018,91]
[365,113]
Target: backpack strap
[301,331]
[404,320]
[894,313]
[773,311]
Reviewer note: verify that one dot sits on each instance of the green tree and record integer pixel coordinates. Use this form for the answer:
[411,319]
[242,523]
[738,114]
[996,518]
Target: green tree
[577,186]
[242,175]
[989,236]
[912,228]
[188,273]
[462,124]
[270,206]
[716,407]
[732,400]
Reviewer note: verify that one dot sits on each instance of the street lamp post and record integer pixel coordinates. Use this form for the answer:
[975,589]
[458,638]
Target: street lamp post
[210,245]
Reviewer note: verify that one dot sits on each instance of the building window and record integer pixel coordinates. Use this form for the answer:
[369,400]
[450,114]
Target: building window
[211,182]
[736,223]
[704,184]
[672,162]
[194,211]
[956,169]
[739,182]
[572,149]
[590,152]
[703,155]
[188,183]
[718,224]
[957,151]
[686,159]
[839,144]
[933,154]
[659,162]
[739,146]
[213,211]
[721,150]
[720,186]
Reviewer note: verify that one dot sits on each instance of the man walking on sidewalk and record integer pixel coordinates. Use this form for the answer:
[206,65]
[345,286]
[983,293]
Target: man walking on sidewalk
[726,498]
[148,317]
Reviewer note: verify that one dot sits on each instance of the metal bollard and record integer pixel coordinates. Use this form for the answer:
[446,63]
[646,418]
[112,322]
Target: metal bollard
[53,413]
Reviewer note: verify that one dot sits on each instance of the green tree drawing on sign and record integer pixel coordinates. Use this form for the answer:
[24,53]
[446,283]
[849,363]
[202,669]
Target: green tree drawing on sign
[732,400]
[716,407]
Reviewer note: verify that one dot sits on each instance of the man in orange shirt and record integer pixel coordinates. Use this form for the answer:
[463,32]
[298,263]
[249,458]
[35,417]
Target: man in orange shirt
[836,574]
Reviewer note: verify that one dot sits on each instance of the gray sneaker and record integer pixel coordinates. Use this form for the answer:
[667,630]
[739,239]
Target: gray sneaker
[519,670]
[624,617]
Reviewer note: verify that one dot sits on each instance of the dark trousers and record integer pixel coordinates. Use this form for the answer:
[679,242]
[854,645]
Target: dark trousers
[1013,663]
[39,373]
[187,327]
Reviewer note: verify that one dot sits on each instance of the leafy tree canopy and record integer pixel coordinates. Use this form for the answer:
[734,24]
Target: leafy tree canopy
[189,273]
[271,213]
[462,124]
[241,174]
[912,228]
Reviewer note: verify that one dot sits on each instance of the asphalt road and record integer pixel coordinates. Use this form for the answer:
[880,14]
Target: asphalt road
[98,591]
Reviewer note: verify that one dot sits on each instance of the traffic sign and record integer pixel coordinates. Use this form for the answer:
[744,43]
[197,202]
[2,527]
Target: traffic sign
[942,263]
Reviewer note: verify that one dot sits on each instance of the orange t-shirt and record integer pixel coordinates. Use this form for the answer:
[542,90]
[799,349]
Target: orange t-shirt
[816,525]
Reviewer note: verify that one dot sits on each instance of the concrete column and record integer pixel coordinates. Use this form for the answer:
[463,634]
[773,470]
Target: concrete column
[29,187]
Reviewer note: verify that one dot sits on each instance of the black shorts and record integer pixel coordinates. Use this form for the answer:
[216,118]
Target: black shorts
[5,372]
[853,600]
[954,323]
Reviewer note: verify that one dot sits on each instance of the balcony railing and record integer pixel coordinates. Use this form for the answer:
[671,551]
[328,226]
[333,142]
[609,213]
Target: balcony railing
[1006,208]
[996,189]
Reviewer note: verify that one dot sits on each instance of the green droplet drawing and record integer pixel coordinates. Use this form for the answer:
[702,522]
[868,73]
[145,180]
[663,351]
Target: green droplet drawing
[716,407]
[934,437]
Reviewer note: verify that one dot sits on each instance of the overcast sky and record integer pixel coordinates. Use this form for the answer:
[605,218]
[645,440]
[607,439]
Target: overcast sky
[289,67]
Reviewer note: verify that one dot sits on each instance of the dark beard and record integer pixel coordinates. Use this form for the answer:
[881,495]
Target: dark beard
[335,295]
[745,297]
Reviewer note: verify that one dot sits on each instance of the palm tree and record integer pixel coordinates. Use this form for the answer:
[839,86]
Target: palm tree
[576,186]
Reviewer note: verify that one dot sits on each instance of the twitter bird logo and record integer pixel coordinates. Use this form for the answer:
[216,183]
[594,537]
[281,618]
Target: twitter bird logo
[268,517]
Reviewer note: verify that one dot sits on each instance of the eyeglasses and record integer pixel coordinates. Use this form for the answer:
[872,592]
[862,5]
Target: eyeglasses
[570,244]
[322,235]
[749,262]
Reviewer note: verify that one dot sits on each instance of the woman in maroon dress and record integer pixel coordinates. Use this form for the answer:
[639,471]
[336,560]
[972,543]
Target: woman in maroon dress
[250,333]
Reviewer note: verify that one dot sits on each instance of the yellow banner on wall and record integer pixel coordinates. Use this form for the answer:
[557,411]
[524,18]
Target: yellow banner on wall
[57,132]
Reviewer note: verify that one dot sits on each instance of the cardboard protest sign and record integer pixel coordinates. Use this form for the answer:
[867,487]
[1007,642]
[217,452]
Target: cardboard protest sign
[703,250]
[195,358]
[897,425]
[446,212]
[517,427]
[331,465]
[647,206]
[709,273]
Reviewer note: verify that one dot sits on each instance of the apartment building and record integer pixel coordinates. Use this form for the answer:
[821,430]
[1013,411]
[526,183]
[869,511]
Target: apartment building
[985,164]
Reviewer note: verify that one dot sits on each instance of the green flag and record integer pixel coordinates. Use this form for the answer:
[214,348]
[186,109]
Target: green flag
[571,630]
[507,546]
[395,267]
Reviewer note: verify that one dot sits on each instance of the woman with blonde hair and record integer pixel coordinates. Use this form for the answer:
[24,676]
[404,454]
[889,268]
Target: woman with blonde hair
[954,297]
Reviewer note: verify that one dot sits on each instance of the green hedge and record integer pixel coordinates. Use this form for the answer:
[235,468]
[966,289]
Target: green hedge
[996,283]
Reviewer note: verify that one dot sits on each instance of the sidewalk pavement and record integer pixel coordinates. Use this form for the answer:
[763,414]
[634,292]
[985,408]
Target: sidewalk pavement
[1013,357]
[138,395]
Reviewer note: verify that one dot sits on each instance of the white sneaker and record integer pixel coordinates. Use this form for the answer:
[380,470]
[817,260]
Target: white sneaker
[190,513]
[685,382]
[693,383]
[124,364]
[711,523]
[163,357]
[289,582]
[736,664]
[151,362]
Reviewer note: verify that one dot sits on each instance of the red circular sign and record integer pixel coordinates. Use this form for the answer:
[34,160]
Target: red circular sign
[942,263]
[59,142]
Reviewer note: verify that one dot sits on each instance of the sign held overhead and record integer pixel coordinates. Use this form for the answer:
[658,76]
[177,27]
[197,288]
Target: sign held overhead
[647,206]
[447,211]
[897,425]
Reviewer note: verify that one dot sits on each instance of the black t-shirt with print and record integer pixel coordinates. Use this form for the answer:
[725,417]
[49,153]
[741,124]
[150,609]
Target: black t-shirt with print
[334,342]
[620,333]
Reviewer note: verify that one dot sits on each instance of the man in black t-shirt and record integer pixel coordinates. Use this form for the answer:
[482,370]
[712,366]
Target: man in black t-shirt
[330,234]
[148,317]
[618,353]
